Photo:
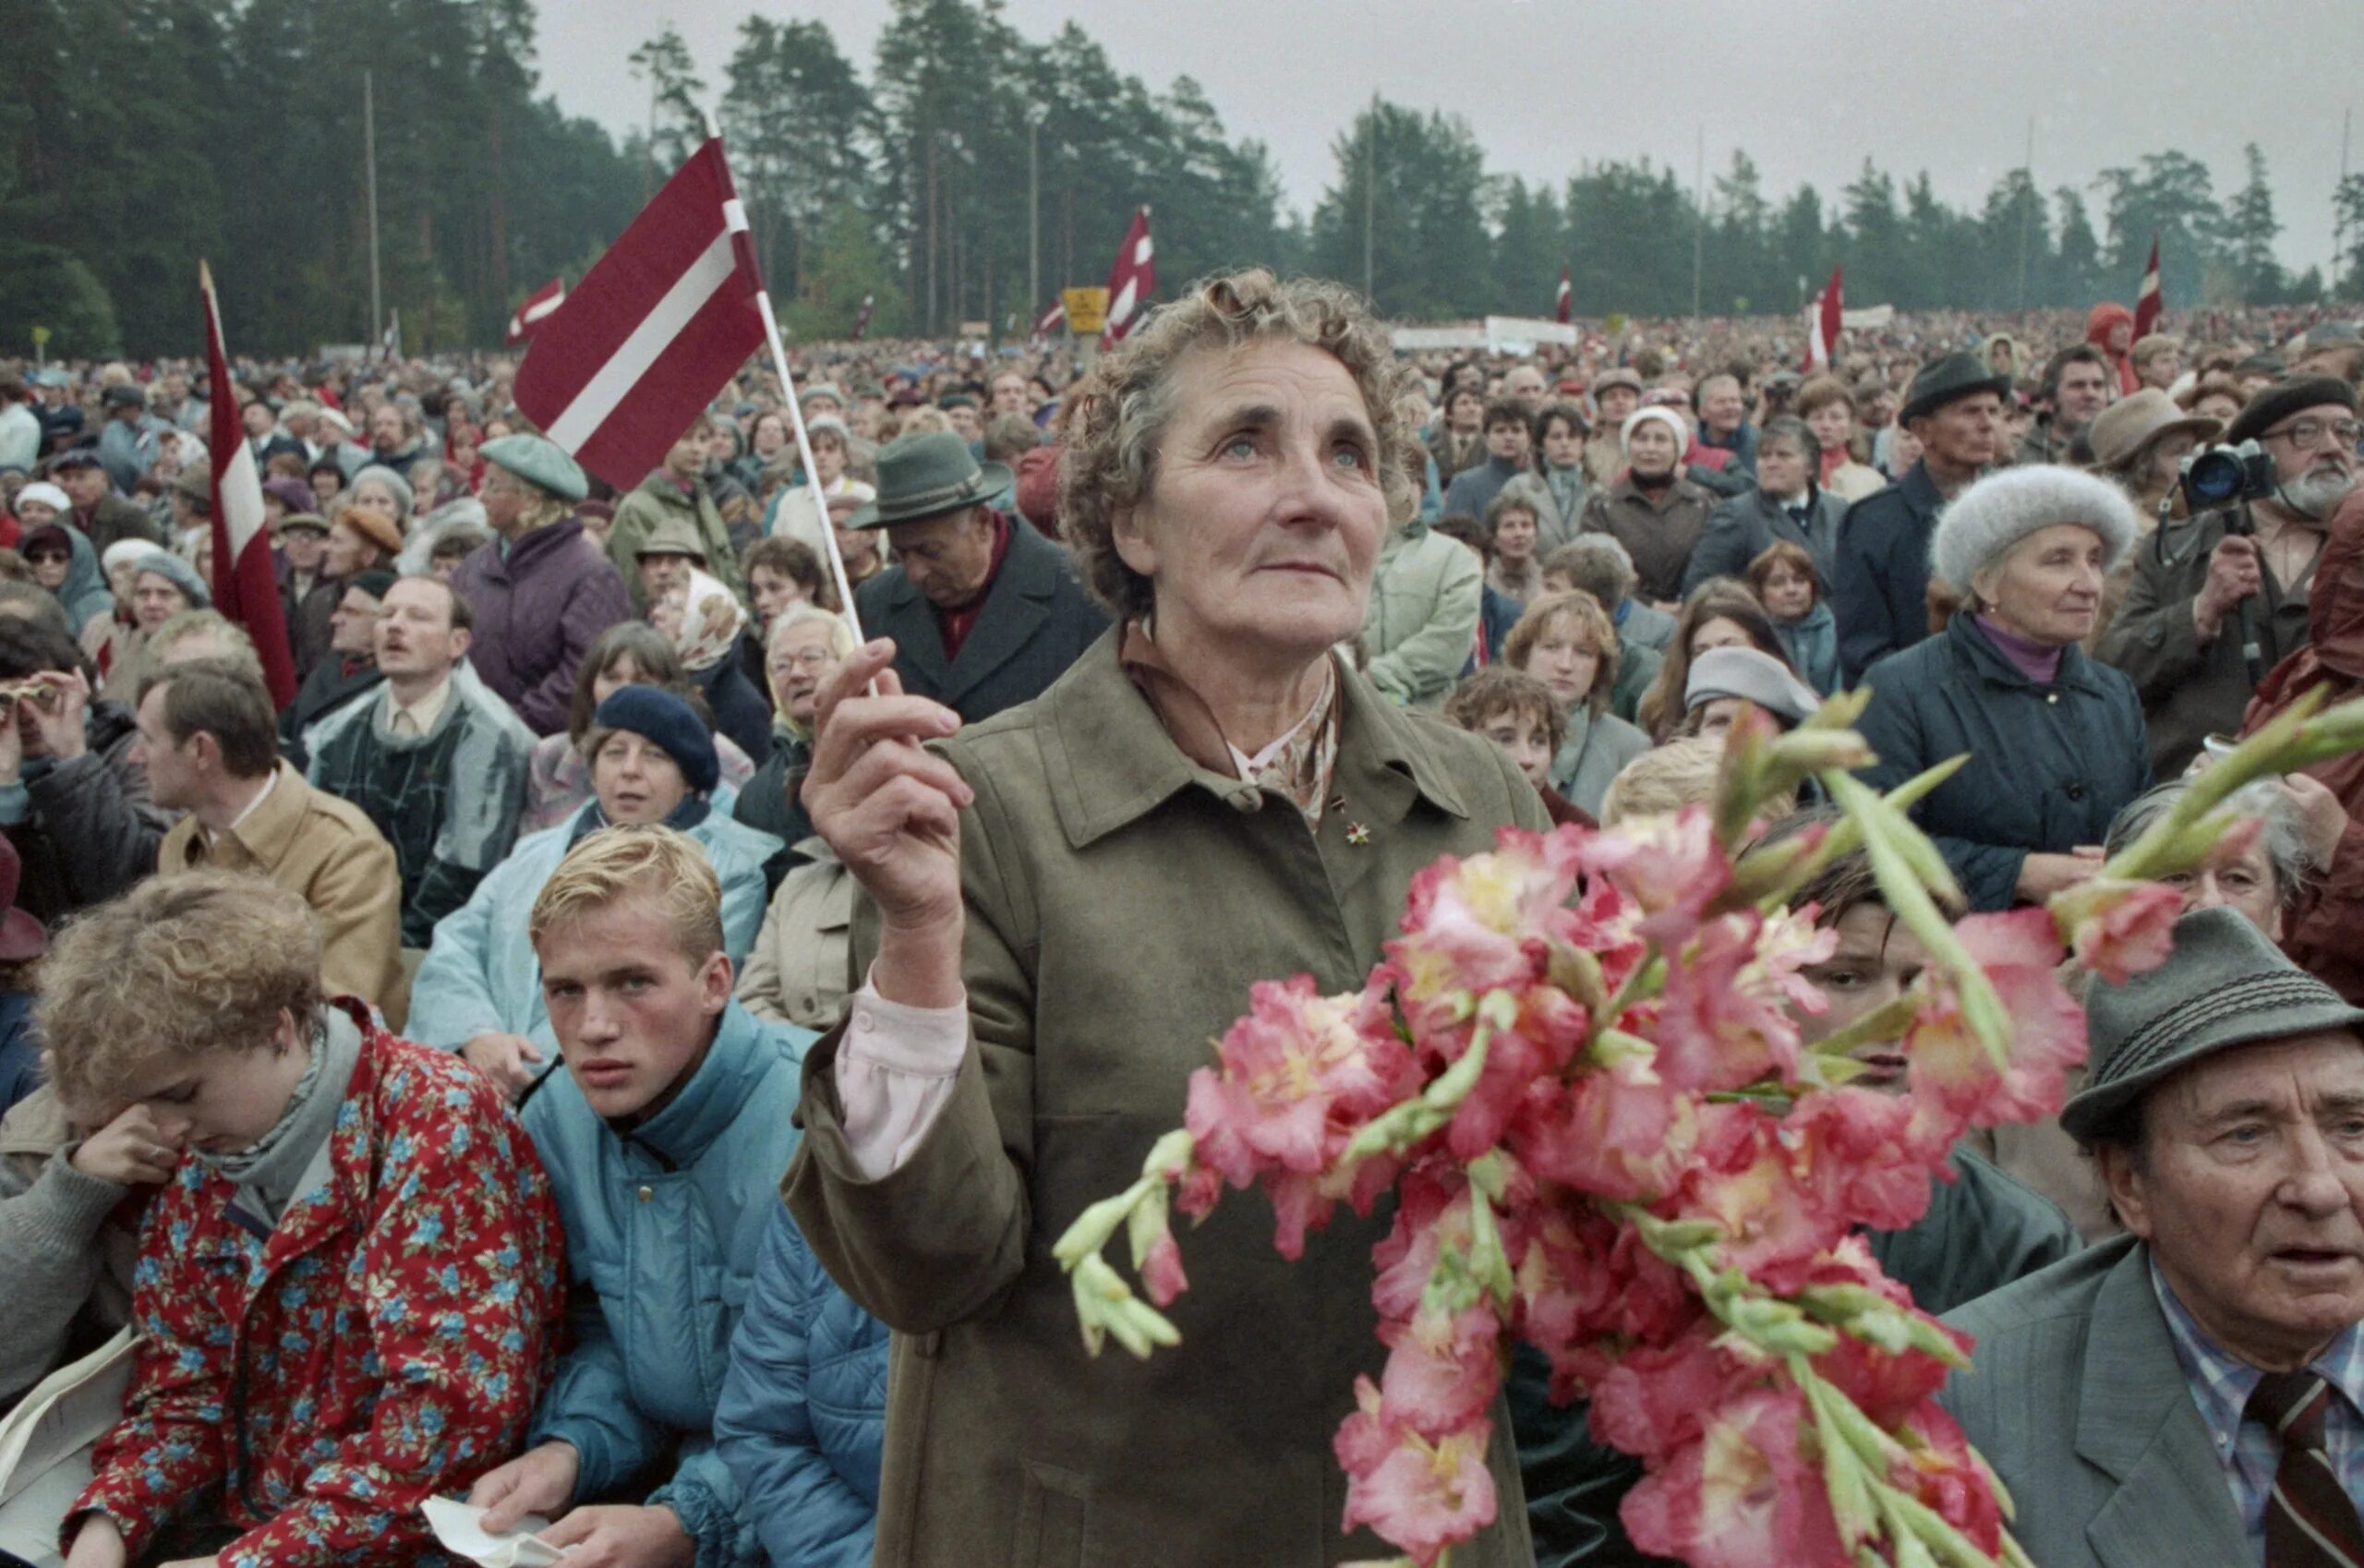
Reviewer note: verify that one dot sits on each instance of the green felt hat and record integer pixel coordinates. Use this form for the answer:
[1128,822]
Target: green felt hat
[538,461]
[926,475]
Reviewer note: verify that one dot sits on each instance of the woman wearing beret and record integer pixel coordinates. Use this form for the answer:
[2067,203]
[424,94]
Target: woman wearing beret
[1067,900]
[479,989]
[2055,741]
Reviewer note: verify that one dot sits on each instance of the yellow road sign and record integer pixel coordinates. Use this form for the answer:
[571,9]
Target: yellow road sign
[1087,308]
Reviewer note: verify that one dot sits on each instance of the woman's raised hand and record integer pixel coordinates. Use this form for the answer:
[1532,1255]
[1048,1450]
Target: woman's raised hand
[892,812]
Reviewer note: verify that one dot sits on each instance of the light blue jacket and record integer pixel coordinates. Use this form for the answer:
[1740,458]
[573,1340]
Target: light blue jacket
[480,975]
[802,1418]
[663,1227]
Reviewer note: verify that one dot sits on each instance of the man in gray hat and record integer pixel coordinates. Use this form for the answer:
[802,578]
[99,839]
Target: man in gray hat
[1879,587]
[2190,1394]
[985,612]
[2216,602]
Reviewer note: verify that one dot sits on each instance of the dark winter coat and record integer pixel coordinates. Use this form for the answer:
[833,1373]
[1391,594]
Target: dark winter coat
[1747,525]
[1880,584]
[539,606]
[1037,621]
[85,829]
[2049,766]
[2190,689]
[1658,534]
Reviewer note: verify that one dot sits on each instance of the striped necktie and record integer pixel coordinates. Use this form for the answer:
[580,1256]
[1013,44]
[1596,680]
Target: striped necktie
[2309,1521]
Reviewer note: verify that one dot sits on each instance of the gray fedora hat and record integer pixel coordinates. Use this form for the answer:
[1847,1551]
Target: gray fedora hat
[2224,985]
[926,475]
[1950,379]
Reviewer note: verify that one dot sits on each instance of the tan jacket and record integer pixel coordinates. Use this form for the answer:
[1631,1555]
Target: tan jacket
[318,846]
[1121,901]
[797,970]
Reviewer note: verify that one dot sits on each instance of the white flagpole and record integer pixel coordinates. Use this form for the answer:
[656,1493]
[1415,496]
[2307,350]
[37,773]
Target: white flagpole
[735,215]
[804,455]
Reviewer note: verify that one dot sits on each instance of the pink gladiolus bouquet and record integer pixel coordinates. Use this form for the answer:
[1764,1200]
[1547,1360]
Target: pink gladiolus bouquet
[1579,1068]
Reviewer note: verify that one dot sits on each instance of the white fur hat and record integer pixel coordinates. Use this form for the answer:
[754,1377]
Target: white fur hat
[1641,416]
[2000,510]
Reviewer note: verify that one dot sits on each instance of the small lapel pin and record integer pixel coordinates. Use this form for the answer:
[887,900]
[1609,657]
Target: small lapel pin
[1358,835]
[1337,803]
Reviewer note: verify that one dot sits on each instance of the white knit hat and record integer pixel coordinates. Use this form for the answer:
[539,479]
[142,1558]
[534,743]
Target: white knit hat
[49,495]
[2004,507]
[1641,416]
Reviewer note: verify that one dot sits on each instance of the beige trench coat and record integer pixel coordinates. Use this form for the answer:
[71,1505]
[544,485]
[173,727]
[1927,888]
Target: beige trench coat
[1121,901]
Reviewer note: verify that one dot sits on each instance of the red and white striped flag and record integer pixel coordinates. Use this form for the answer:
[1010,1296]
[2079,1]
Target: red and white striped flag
[246,587]
[1048,322]
[538,303]
[1565,300]
[1131,281]
[653,331]
[1823,317]
[862,322]
[2149,303]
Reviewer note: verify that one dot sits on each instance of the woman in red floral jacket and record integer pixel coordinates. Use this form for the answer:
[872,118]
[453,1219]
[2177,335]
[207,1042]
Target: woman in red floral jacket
[350,1294]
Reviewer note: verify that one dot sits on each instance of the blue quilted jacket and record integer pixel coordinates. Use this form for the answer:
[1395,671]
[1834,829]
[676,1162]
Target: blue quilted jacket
[803,1410]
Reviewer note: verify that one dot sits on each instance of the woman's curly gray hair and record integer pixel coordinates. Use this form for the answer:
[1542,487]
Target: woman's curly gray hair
[1117,415]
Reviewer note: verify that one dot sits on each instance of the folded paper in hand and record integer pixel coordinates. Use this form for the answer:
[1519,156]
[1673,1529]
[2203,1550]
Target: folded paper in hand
[461,1529]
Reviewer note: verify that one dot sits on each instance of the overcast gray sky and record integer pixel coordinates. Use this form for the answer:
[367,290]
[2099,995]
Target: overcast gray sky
[1808,87]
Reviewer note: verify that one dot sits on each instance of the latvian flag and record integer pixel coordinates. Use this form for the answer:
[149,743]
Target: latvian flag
[1131,281]
[1049,322]
[617,372]
[1566,300]
[246,588]
[538,303]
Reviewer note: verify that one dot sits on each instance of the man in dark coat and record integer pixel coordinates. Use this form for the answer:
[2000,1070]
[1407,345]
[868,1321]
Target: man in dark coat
[985,616]
[351,667]
[541,590]
[105,517]
[2198,587]
[1880,588]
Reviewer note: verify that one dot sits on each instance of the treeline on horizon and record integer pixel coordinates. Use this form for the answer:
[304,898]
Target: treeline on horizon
[138,135]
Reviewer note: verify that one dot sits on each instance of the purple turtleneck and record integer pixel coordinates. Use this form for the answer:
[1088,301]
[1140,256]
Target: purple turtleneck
[2040,662]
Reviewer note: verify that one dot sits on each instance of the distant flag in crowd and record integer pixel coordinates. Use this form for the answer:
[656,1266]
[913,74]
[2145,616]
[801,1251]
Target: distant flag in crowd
[391,346]
[1048,322]
[2148,304]
[1566,299]
[1131,281]
[653,330]
[538,303]
[246,586]
[1823,319]
[862,322]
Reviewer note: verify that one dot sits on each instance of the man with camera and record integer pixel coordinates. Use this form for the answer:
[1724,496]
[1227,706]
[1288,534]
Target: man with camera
[2217,602]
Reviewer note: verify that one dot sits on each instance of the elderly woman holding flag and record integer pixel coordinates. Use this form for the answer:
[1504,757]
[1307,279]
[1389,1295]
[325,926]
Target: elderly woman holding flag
[1067,901]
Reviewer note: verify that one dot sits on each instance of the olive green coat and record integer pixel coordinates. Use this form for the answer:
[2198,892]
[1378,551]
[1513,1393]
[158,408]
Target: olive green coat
[1121,901]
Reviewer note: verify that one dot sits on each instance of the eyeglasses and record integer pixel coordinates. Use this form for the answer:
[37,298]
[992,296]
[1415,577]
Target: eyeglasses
[802,658]
[38,556]
[2305,434]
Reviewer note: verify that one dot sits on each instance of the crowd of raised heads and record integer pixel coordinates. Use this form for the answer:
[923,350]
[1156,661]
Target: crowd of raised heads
[609,1043]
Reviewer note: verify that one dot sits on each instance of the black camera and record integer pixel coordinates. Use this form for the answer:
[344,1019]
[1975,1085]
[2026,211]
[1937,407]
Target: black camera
[2226,476]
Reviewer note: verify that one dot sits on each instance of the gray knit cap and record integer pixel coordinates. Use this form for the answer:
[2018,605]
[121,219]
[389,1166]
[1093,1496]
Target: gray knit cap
[2000,510]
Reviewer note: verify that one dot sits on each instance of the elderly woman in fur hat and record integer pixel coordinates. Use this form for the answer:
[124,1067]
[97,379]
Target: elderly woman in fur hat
[2056,740]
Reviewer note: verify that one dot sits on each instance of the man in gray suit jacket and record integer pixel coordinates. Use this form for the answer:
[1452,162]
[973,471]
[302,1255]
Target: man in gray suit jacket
[2189,1394]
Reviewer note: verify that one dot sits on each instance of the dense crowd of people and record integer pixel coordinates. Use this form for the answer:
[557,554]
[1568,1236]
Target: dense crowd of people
[616,1046]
